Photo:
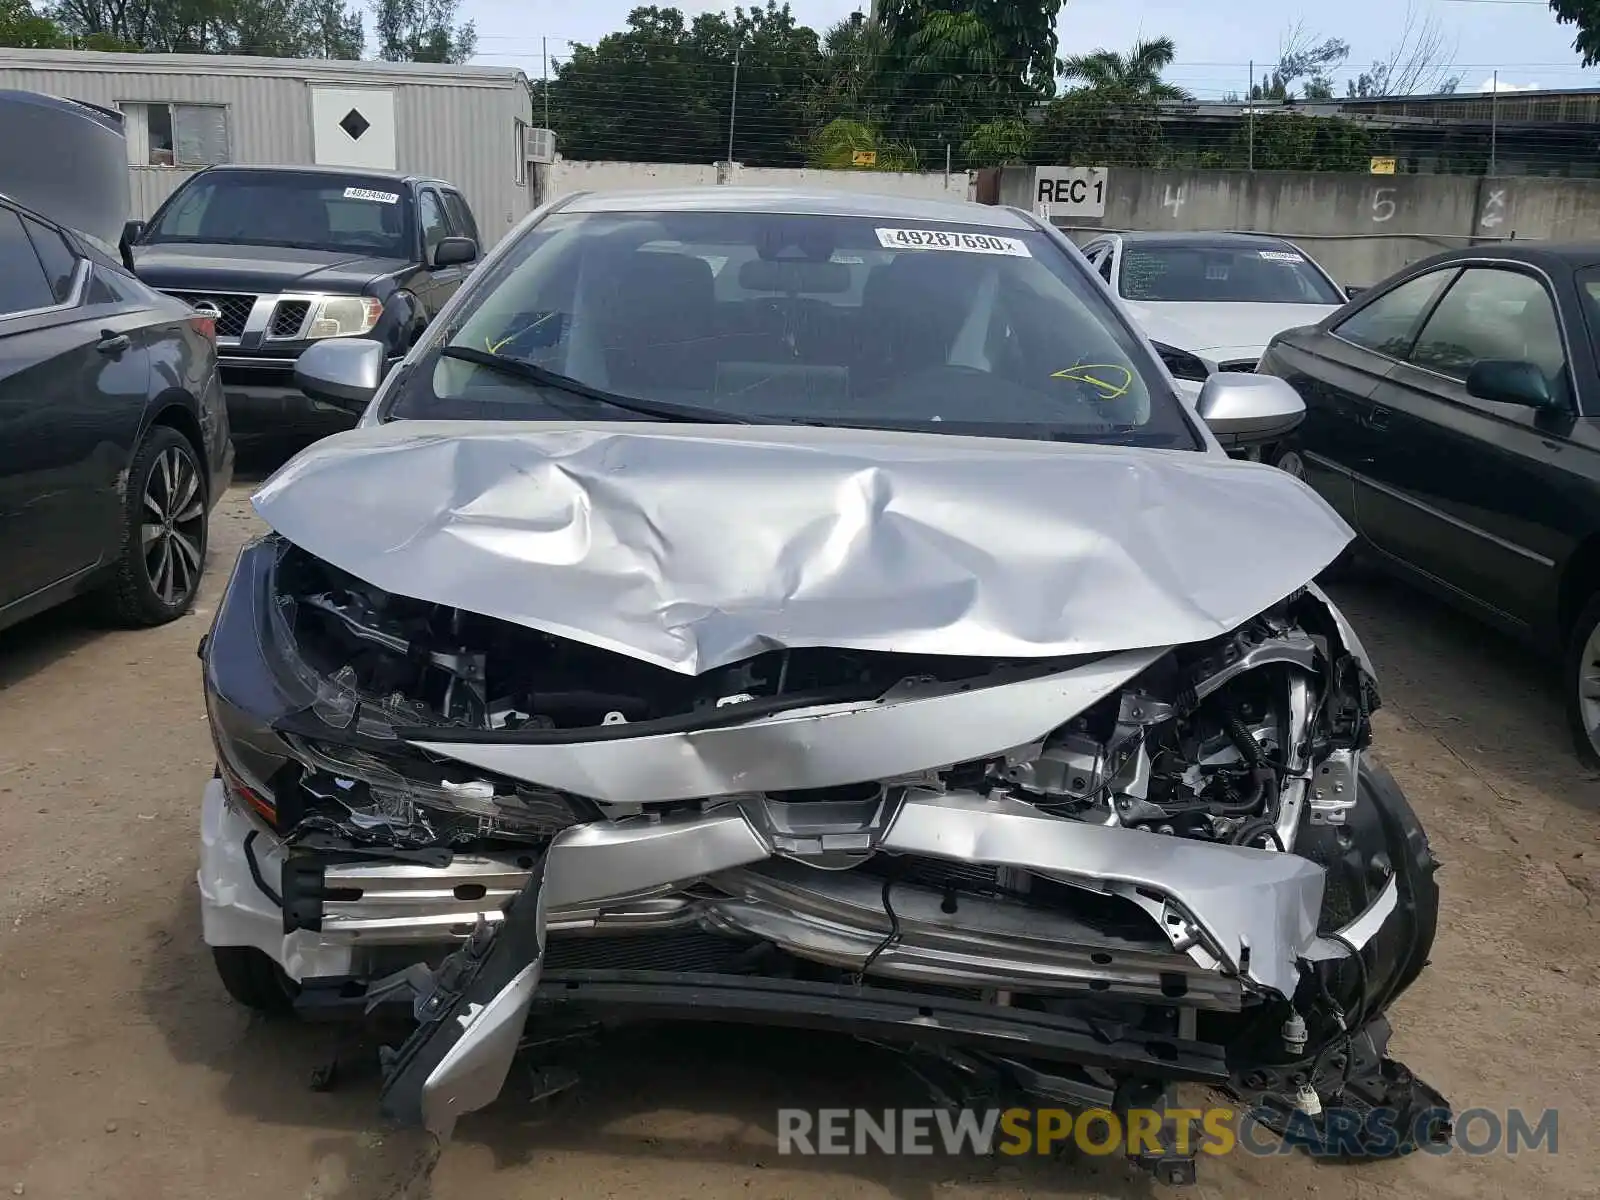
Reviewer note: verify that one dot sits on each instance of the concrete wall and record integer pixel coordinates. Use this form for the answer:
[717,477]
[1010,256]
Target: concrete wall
[562,178]
[1362,228]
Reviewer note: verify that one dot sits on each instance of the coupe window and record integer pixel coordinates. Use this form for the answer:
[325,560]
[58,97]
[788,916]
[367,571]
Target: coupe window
[1389,323]
[1492,314]
[311,211]
[1270,274]
[762,317]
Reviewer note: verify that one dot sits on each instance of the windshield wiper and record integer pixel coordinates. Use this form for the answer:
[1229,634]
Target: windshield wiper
[519,369]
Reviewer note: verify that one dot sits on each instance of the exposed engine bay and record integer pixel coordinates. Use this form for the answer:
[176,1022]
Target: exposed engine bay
[1216,742]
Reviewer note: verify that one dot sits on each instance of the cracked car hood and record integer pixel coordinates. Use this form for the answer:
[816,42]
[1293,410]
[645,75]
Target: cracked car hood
[697,546]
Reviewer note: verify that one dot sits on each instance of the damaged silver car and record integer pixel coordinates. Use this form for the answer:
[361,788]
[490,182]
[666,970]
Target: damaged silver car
[813,611]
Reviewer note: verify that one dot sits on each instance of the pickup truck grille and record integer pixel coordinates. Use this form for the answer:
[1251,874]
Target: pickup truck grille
[290,315]
[235,309]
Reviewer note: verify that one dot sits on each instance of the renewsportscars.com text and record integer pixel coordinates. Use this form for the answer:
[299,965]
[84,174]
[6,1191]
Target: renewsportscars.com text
[1214,1131]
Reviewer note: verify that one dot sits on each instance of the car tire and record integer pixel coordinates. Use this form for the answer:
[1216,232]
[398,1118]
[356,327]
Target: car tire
[1287,461]
[1580,682]
[254,980]
[166,512]
[1290,463]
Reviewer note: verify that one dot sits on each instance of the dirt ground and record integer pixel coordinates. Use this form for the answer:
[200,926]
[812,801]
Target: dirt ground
[126,1072]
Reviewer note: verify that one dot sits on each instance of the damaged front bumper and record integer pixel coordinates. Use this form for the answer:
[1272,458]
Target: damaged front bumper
[1229,928]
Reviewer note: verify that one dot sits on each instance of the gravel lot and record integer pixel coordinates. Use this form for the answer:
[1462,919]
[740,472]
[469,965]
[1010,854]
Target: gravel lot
[127,1072]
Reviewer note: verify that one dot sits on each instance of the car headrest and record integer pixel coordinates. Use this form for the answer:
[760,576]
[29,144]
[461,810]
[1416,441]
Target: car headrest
[794,276]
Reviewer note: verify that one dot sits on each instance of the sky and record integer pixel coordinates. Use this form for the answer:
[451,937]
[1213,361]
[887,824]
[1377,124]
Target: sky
[1216,41]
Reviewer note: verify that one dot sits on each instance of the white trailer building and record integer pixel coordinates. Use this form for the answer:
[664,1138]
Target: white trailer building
[182,112]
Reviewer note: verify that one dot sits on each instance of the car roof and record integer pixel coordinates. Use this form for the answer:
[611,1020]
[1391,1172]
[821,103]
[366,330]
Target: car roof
[794,202]
[1556,256]
[1202,240]
[318,169]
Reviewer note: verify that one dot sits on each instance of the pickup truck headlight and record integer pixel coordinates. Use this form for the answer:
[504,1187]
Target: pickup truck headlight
[343,316]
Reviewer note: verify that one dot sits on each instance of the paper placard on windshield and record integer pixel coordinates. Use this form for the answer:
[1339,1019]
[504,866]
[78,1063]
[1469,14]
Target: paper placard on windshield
[1282,256]
[369,194]
[961,243]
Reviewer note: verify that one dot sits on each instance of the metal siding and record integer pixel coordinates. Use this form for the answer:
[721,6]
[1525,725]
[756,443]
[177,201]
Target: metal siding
[465,135]
[459,131]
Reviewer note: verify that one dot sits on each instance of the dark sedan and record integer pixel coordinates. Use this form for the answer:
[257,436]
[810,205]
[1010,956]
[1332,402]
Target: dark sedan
[1453,418]
[113,435]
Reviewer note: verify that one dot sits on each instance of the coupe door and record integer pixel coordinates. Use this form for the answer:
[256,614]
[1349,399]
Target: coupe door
[1468,491]
[1337,372]
[73,381]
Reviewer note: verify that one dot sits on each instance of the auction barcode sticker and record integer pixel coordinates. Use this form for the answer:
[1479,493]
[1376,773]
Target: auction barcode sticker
[962,243]
[369,194]
[1281,256]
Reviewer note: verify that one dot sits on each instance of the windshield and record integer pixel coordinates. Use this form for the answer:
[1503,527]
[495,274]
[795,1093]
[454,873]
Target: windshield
[313,211]
[1273,274]
[822,319]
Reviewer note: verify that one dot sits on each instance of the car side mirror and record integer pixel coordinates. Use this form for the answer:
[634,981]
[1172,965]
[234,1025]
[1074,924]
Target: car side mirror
[131,233]
[1249,410]
[1352,290]
[1510,381]
[454,251]
[343,372]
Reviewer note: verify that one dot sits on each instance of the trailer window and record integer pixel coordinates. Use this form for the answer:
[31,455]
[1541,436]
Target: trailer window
[176,135]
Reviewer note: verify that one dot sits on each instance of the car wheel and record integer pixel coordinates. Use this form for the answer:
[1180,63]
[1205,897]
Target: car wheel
[1580,677]
[164,533]
[1290,462]
[254,980]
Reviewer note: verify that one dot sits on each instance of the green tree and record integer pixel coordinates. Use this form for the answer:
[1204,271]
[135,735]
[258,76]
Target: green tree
[1112,116]
[954,80]
[279,28]
[423,31]
[1585,16]
[641,94]
[1024,33]
[25,28]
[834,147]
[1133,78]
[661,89]
[779,64]
[849,75]
[998,144]
[1294,142]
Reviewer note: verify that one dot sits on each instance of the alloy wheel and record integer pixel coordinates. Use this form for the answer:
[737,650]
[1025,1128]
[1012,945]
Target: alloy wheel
[172,534]
[1589,686]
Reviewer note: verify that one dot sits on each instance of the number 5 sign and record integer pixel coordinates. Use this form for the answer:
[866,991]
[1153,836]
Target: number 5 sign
[1070,191]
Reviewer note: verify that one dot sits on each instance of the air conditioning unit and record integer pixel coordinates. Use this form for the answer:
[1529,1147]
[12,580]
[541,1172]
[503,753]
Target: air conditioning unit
[541,145]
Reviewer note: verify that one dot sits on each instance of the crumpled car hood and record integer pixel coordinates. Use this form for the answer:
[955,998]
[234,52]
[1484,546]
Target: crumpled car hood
[698,546]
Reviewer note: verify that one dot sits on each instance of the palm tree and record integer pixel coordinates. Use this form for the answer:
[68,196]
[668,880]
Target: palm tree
[1113,116]
[1134,77]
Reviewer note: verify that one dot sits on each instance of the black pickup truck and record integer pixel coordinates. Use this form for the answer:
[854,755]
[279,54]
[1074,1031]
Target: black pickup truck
[283,257]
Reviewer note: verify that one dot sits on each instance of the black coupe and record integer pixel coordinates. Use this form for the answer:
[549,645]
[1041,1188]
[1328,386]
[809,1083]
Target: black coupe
[1453,419]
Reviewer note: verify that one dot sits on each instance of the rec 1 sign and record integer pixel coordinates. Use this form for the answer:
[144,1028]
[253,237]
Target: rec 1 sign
[1069,191]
